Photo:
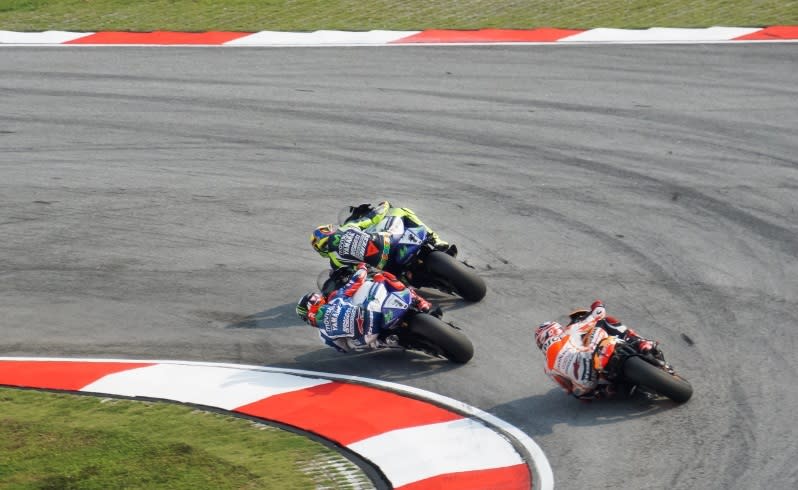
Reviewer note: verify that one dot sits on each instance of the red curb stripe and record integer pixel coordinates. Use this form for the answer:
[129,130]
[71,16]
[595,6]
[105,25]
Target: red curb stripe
[509,478]
[59,375]
[488,35]
[347,413]
[772,32]
[159,37]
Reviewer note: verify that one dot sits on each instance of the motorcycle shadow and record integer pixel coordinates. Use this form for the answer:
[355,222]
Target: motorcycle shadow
[537,415]
[395,365]
[447,302]
[385,364]
[282,316]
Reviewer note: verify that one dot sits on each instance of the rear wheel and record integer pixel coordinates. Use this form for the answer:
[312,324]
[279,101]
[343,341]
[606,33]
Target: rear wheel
[441,338]
[642,373]
[462,278]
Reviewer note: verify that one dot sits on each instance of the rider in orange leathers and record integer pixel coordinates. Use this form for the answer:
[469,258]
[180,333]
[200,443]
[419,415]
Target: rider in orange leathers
[569,351]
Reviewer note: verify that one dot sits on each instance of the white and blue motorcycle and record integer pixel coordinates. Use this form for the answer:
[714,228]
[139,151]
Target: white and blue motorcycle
[405,326]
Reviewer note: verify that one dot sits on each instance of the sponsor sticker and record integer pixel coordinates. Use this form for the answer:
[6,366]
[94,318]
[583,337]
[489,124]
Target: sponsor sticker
[353,244]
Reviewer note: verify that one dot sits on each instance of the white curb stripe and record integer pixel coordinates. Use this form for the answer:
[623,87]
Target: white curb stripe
[431,450]
[660,34]
[47,37]
[219,387]
[274,38]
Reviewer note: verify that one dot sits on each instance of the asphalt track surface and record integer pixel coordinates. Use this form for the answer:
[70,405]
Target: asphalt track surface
[157,202]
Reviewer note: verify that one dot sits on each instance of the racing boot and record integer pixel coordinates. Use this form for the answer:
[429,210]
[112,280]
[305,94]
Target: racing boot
[392,341]
[441,245]
[643,346]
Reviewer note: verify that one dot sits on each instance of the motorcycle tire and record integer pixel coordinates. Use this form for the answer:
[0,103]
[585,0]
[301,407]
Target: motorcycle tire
[450,342]
[463,279]
[642,373]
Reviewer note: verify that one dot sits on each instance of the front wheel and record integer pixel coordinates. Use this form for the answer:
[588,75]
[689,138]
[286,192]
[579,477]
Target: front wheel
[640,372]
[463,279]
[441,338]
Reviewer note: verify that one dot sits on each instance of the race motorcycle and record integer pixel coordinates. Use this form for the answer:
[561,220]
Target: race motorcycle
[405,326]
[621,364]
[415,261]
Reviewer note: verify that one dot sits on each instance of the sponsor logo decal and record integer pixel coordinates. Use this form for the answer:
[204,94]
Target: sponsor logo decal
[353,244]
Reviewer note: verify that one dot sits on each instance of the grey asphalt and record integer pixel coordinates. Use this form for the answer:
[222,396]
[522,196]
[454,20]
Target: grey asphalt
[157,204]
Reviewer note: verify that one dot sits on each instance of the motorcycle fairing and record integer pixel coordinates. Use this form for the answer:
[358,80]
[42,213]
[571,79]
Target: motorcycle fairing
[604,353]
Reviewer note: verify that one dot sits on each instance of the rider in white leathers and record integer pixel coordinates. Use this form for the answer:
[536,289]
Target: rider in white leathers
[569,351]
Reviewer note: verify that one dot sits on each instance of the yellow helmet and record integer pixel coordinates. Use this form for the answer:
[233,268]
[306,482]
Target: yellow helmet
[320,238]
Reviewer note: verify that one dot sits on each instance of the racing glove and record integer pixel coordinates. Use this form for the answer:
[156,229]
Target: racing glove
[423,305]
[639,343]
[597,310]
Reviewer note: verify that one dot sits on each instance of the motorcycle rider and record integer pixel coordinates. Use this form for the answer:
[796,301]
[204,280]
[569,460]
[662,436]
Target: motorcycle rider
[569,351]
[343,324]
[349,244]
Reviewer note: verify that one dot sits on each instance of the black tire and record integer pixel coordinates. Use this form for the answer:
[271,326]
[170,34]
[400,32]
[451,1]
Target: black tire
[642,373]
[463,279]
[451,342]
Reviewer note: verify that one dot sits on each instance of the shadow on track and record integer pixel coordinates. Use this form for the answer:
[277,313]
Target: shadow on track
[537,415]
[393,365]
[396,365]
[281,316]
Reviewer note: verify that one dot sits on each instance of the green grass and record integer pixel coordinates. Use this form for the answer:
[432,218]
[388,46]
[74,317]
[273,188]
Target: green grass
[62,441]
[360,15]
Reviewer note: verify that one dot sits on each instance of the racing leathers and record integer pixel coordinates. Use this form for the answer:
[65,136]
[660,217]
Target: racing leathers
[346,324]
[349,245]
[365,216]
[569,351]
[356,241]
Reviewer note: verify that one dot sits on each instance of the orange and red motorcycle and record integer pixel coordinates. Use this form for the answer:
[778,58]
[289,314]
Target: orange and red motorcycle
[619,363]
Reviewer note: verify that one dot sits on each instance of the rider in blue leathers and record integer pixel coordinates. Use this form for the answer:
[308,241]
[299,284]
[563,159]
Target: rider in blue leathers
[343,324]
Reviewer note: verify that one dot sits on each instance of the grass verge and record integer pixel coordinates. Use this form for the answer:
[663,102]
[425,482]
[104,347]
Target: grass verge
[64,441]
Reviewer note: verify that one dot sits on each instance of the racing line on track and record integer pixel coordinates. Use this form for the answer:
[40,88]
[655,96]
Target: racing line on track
[419,440]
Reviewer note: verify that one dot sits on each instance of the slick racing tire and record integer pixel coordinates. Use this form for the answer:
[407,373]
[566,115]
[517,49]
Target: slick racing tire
[462,278]
[642,373]
[442,338]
